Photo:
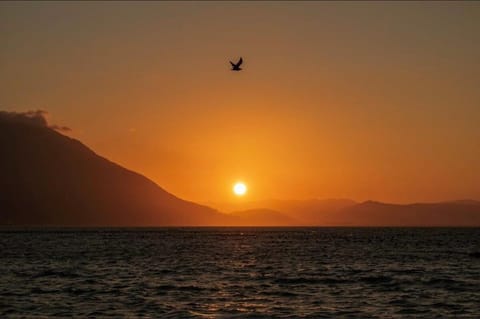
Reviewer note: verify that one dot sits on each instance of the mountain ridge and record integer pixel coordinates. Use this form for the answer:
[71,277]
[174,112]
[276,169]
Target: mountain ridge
[44,172]
[49,179]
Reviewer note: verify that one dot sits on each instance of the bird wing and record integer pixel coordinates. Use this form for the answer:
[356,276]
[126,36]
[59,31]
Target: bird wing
[240,62]
[233,64]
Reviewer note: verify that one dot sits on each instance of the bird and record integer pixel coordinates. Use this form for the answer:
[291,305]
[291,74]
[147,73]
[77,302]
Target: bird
[236,66]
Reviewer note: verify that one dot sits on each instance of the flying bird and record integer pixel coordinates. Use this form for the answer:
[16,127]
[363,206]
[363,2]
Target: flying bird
[236,67]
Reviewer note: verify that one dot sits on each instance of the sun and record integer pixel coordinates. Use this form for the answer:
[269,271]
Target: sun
[239,189]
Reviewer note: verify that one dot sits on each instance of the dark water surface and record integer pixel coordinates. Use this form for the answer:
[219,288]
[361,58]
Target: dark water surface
[240,272]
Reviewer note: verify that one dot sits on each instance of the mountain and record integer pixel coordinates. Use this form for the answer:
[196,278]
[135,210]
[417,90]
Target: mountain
[464,201]
[304,212]
[311,211]
[344,212]
[263,217]
[445,214]
[47,178]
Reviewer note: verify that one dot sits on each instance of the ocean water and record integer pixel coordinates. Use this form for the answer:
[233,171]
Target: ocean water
[240,273]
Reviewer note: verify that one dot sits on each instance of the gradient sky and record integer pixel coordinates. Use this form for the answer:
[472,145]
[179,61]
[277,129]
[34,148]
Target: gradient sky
[359,100]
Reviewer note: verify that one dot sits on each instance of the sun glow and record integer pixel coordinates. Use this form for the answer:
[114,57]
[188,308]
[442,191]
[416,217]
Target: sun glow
[239,189]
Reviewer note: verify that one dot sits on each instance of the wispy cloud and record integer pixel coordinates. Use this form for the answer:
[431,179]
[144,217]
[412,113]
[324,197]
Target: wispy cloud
[33,117]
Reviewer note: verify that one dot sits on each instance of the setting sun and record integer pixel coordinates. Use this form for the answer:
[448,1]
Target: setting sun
[239,189]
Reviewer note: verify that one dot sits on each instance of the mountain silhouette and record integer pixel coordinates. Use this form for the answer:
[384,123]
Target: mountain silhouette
[345,212]
[47,178]
[263,217]
[305,212]
[465,213]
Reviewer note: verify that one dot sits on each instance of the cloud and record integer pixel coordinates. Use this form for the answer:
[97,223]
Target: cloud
[37,118]
[60,128]
[34,117]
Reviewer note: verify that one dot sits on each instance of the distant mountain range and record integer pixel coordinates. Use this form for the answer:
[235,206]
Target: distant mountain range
[300,212]
[344,212]
[370,213]
[49,179]
[264,217]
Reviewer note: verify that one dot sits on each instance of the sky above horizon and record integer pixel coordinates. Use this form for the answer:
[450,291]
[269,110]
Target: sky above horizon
[371,100]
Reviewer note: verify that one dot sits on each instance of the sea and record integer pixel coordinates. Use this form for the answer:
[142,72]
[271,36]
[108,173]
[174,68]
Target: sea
[240,273]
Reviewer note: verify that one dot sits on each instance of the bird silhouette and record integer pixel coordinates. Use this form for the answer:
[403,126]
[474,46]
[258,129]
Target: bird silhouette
[236,66]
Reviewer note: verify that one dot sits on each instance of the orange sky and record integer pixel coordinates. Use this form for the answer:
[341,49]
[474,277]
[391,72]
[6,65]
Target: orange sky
[358,100]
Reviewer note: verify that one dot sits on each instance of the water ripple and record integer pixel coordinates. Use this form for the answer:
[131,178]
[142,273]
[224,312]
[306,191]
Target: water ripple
[240,273]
